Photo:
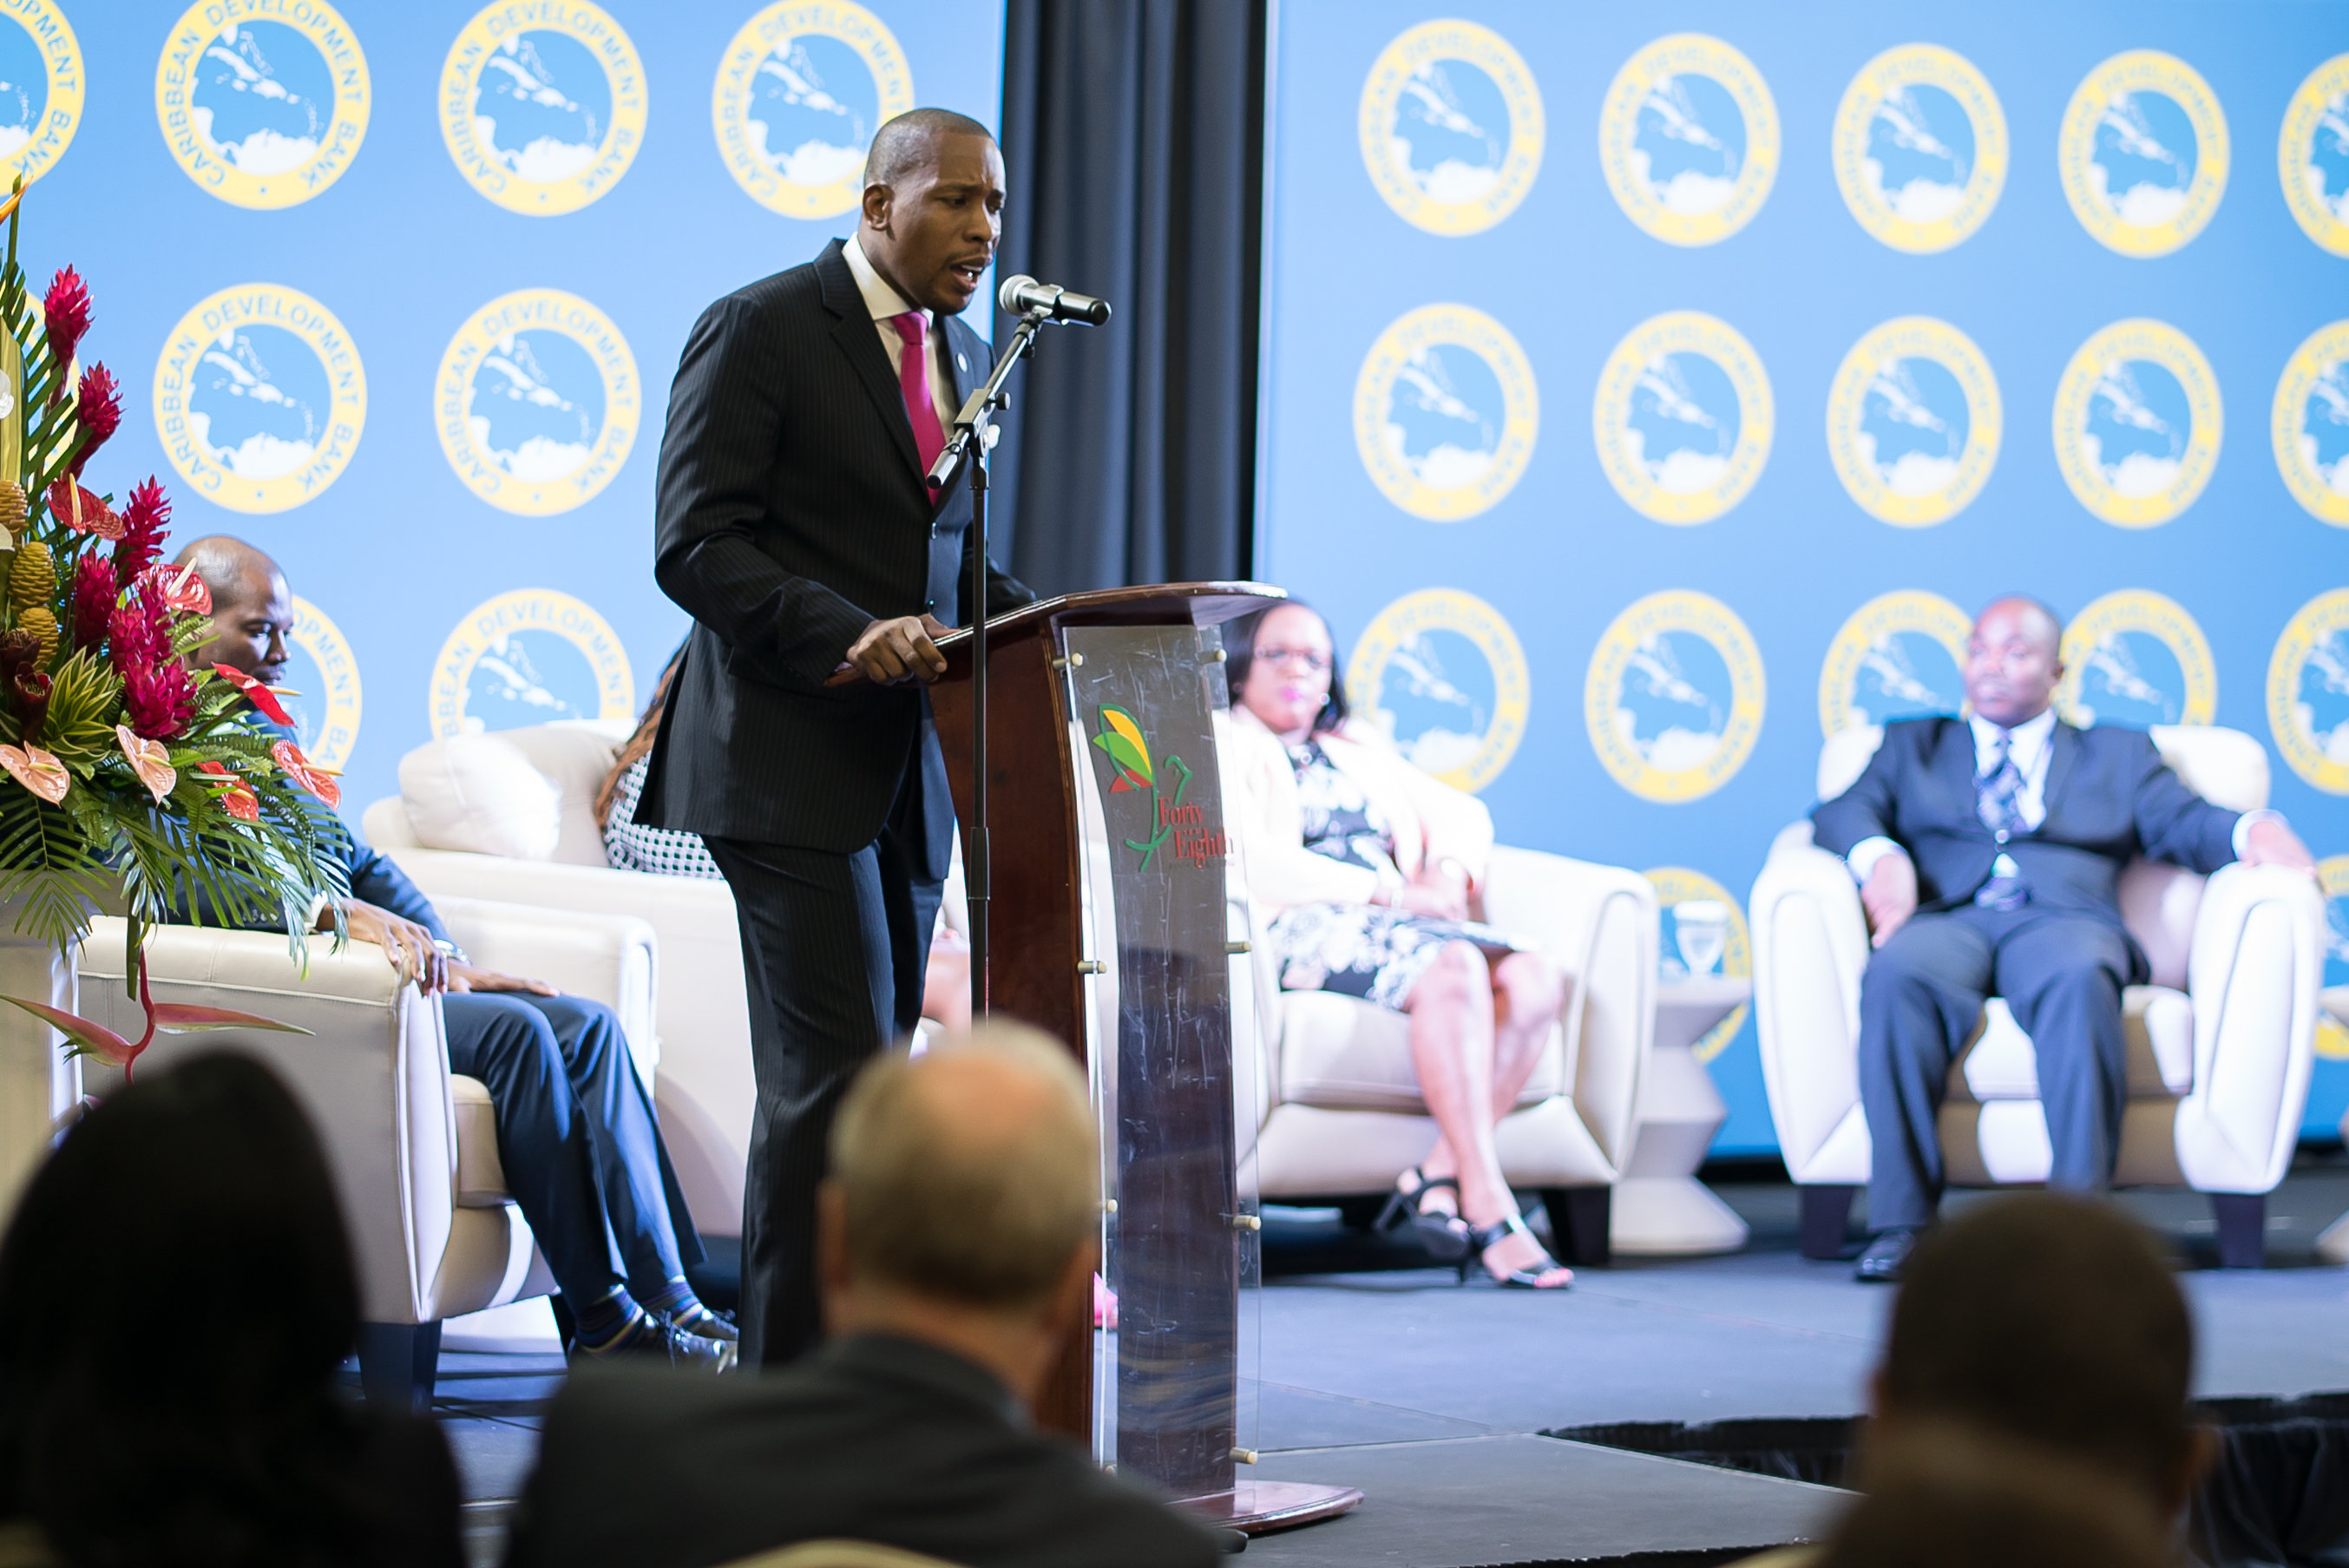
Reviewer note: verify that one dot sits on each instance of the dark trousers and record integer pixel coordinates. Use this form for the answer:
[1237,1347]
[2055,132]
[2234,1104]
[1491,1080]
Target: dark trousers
[576,1134]
[2061,974]
[833,949]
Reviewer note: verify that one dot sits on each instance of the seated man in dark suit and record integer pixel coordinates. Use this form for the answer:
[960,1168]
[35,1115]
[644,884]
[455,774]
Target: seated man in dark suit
[1988,853]
[576,1134]
[956,1233]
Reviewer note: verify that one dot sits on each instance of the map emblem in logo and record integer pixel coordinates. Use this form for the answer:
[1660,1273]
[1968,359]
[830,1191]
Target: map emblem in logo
[2312,157]
[2143,152]
[1688,138]
[259,397]
[801,90]
[41,85]
[1452,128]
[2310,422]
[1684,418]
[326,714]
[1920,147]
[542,108]
[1441,674]
[2332,872]
[1902,655]
[263,106]
[1715,941]
[537,402]
[527,657]
[2136,658]
[2137,423]
[1913,421]
[2308,692]
[1445,412]
[1674,696]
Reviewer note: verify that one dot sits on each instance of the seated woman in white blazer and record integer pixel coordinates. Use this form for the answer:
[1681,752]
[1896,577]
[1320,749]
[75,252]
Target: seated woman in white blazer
[1367,868]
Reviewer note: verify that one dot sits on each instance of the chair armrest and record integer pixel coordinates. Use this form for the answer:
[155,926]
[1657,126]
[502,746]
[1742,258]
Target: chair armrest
[609,959]
[1810,944]
[2253,975]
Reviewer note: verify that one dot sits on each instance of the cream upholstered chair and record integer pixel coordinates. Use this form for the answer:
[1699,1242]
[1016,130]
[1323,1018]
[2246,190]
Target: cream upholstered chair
[2219,1045]
[413,1147]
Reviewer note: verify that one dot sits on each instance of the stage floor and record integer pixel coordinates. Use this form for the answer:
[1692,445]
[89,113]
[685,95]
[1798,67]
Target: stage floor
[1376,1371]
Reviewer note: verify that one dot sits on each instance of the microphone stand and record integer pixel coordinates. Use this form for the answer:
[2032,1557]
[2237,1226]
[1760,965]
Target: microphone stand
[972,437]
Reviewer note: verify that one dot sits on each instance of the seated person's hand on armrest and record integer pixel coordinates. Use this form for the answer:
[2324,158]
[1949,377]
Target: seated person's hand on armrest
[464,977]
[890,652]
[2271,844]
[1889,895]
[409,945]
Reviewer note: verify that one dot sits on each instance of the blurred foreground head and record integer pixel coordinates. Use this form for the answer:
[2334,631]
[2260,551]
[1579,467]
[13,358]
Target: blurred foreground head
[1943,1497]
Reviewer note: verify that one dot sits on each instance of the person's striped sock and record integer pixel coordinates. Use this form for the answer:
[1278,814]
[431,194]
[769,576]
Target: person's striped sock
[678,1303]
[608,1324]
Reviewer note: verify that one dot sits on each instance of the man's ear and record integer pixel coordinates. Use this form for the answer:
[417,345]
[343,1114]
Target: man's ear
[876,208]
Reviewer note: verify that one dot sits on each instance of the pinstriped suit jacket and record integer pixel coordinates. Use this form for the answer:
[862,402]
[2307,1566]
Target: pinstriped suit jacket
[790,512]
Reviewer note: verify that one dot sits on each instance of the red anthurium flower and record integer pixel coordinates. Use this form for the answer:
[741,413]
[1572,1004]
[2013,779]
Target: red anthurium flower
[260,695]
[183,590]
[100,412]
[82,512]
[307,773]
[66,315]
[145,522]
[239,802]
[36,770]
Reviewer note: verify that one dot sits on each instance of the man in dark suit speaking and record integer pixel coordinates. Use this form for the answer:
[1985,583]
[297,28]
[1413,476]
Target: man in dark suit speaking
[1989,853]
[795,524]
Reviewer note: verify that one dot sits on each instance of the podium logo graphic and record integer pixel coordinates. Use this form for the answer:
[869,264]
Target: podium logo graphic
[537,402]
[1445,412]
[1441,674]
[326,714]
[2135,658]
[2313,158]
[41,85]
[1674,696]
[1920,147]
[2143,152]
[528,657]
[1684,418]
[262,105]
[2310,423]
[1179,828]
[259,397]
[2137,423]
[1914,421]
[801,90]
[1688,138]
[2332,872]
[1707,948]
[2308,692]
[1452,128]
[542,106]
[1902,655]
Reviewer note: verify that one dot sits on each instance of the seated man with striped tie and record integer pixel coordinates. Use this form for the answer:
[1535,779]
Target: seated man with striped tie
[1988,851]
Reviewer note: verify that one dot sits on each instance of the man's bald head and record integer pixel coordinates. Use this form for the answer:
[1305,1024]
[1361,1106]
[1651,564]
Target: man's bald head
[253,608]
[234,570]
[910,142]
[2011,660]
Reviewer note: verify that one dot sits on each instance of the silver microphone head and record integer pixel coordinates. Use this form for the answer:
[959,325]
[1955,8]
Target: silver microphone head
[1011,295]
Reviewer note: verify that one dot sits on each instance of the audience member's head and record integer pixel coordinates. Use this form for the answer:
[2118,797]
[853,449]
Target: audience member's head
[2013,664]
[1943,1497]
[2052,1320]
[252,609]
[176,1295]
[1282,667]
[964,1203]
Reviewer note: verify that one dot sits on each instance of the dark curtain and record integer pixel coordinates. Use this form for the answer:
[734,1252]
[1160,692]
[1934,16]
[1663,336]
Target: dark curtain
[1133,138]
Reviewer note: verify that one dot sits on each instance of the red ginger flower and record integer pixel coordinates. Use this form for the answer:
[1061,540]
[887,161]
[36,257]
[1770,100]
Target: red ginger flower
[145,522]
[99,411]
[65,313]
[95,592]
[162,700]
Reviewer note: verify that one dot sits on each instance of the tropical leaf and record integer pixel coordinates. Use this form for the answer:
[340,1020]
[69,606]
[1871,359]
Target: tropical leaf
[1126,747]
[83,703]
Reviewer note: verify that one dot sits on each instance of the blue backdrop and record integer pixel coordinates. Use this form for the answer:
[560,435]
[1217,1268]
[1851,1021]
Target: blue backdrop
[1650,389]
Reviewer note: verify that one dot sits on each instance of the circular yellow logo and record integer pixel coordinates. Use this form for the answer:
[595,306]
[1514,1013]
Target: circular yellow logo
[1688,138]
[2137,423]
[531,656]
[1452,128]
[542,106]
[2312,156]
[327,713]
[2332,872]
[1920,147]
[1913,421]
[537,402]
[1902,655]
[1445,412]
[1673,698]
[2310,420]
[1684,418]
[259,397]
[2143,151]
[1713,940]
[801,90]
[41,64]
[263,104]
[2308,692]
[1440,674]
[2136,658]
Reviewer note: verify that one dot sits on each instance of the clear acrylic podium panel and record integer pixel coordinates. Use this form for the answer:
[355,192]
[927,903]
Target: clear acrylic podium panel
[1171,1021]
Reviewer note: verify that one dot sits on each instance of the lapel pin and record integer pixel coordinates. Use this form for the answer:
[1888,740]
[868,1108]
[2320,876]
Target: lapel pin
[962,363]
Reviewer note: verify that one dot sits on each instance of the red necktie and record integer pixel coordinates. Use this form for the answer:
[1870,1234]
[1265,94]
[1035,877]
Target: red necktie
[913,382]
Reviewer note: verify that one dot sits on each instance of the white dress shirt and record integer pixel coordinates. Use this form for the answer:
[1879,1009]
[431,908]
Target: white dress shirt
[884,302]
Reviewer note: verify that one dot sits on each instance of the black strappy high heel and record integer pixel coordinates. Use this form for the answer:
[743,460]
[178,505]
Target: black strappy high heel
[1481,1239]
[1445,1236]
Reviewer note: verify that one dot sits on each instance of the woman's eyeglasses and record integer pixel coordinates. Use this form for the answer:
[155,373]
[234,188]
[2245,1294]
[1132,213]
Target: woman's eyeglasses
[1314,661]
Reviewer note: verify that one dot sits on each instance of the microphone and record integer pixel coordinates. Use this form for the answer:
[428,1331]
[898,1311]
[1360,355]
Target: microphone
[1021,294]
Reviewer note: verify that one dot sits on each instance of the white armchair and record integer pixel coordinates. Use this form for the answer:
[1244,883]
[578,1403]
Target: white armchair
[2219,1045]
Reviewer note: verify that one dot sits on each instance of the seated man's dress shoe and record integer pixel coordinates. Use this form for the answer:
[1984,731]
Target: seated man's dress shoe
[1887,1255]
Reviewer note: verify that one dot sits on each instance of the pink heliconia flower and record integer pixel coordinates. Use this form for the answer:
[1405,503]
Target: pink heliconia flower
[98,410]
[37,771]
[65,314]
[149,759]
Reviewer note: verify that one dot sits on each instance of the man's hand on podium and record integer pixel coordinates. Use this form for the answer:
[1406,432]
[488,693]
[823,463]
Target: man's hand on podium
[890,652]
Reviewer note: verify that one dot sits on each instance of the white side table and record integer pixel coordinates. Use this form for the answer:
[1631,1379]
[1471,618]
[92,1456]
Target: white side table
[2332,1245]
[1661,1209]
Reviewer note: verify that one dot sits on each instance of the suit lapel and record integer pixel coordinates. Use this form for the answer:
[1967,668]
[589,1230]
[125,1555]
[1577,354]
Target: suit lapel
[860,340]
[1953,765]
[2064,749]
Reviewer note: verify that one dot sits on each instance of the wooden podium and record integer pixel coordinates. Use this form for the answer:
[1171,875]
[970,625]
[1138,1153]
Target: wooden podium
[1119,923]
